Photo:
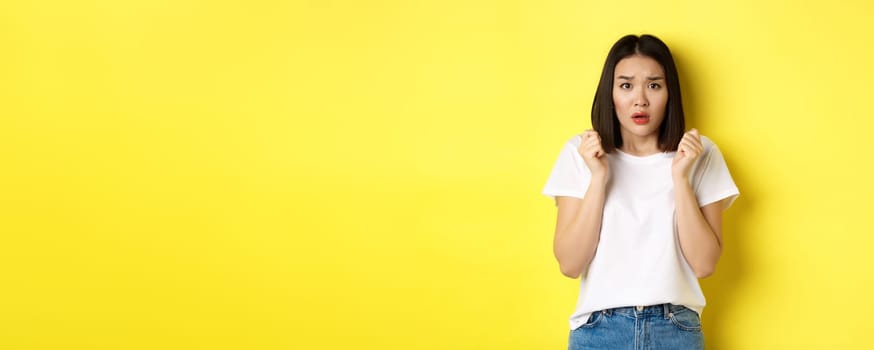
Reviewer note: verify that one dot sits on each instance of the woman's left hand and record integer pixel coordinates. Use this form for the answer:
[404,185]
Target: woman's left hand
[688,151]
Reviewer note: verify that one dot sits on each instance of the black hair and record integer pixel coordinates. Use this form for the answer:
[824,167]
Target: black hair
[604,119]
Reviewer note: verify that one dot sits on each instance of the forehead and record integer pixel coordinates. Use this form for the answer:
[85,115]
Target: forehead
[638,66]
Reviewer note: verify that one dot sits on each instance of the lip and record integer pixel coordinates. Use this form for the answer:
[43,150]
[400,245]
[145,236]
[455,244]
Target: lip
[640,118]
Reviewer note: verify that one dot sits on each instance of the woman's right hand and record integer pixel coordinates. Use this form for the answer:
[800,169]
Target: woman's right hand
[593,154]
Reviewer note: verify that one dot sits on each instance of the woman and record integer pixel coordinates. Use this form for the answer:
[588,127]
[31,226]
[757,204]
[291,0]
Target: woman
[640,206]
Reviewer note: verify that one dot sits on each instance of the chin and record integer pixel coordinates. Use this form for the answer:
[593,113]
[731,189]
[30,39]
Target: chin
[642,130]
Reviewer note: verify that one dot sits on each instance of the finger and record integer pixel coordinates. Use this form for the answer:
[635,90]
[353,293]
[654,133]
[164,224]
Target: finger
[695,140]
[689,134]
[599,150]
[593,142]
[595,152]
[587,150]
[695,134]
[593,148]
[690,148]
[686,143]
[699,147]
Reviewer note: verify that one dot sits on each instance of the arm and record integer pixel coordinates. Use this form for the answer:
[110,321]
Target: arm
[699,229]
[578,228]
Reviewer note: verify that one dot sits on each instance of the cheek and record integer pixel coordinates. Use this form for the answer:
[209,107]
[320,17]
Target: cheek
[617,94]
[620,108]
[661,101]
[619,102]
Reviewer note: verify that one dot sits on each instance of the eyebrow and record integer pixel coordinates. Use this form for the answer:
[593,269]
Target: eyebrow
[625,77]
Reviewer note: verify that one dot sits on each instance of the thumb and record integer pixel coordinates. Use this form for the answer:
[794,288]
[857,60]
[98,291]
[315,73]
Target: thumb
[694,132]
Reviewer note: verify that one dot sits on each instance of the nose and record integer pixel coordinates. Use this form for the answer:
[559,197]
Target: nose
[640,99]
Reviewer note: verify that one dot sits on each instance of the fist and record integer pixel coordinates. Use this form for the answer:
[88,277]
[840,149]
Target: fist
[593,154]
[688,151]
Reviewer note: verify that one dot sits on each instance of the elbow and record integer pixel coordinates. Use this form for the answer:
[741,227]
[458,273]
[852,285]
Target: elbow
[570,271]
[704,266]
[703,272]
[569,267]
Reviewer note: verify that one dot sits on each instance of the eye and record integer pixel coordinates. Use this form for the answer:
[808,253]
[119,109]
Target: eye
[625,86]
[654,86]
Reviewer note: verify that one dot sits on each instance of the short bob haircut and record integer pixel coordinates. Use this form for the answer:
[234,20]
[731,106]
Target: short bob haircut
[604,119]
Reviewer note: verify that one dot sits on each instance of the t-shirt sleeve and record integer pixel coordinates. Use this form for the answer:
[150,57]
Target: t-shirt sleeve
[713,181]
[570,176]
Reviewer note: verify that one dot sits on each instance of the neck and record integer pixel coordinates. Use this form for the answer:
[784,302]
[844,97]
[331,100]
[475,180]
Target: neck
[640,145]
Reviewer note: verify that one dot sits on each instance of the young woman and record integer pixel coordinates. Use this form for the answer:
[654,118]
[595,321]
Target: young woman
[640,206]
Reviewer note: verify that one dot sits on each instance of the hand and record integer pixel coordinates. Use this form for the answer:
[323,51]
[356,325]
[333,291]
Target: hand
[688,151]
[593,154]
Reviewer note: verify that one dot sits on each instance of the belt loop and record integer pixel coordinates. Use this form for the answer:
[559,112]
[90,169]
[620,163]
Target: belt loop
[667,308]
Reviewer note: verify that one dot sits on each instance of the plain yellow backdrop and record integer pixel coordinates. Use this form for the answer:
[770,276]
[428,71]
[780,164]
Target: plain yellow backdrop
[366,174]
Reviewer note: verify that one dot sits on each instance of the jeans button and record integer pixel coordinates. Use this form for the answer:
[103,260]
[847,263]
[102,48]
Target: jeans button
[639,308]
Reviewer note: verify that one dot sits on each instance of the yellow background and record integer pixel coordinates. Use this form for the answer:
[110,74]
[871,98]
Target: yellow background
[366,174]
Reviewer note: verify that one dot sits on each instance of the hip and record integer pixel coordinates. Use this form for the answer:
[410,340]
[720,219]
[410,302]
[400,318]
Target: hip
[653,327]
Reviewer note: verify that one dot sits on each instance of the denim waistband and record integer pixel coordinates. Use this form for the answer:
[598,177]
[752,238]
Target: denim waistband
[664,310]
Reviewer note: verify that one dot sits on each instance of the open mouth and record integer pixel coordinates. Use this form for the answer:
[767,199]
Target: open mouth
[640,118]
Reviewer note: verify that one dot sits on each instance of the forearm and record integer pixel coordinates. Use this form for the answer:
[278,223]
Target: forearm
[698,240]
[576,243]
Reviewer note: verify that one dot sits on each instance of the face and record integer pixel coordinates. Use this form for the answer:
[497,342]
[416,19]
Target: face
[640,95]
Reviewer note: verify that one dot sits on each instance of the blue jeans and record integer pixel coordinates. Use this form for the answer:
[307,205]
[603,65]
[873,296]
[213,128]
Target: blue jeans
[664,326]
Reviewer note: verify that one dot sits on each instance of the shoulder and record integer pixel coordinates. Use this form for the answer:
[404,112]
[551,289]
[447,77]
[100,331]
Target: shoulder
[710,149]
[708,144]
[570,154]
[575,141]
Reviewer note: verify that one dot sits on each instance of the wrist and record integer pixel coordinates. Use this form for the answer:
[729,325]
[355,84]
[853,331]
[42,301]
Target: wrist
[599,180]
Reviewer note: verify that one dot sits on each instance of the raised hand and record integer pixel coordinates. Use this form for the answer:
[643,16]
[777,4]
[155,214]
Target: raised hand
[593,154]
[688,151]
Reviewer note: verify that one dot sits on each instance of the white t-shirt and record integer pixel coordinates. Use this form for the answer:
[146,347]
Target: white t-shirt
[638,261]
